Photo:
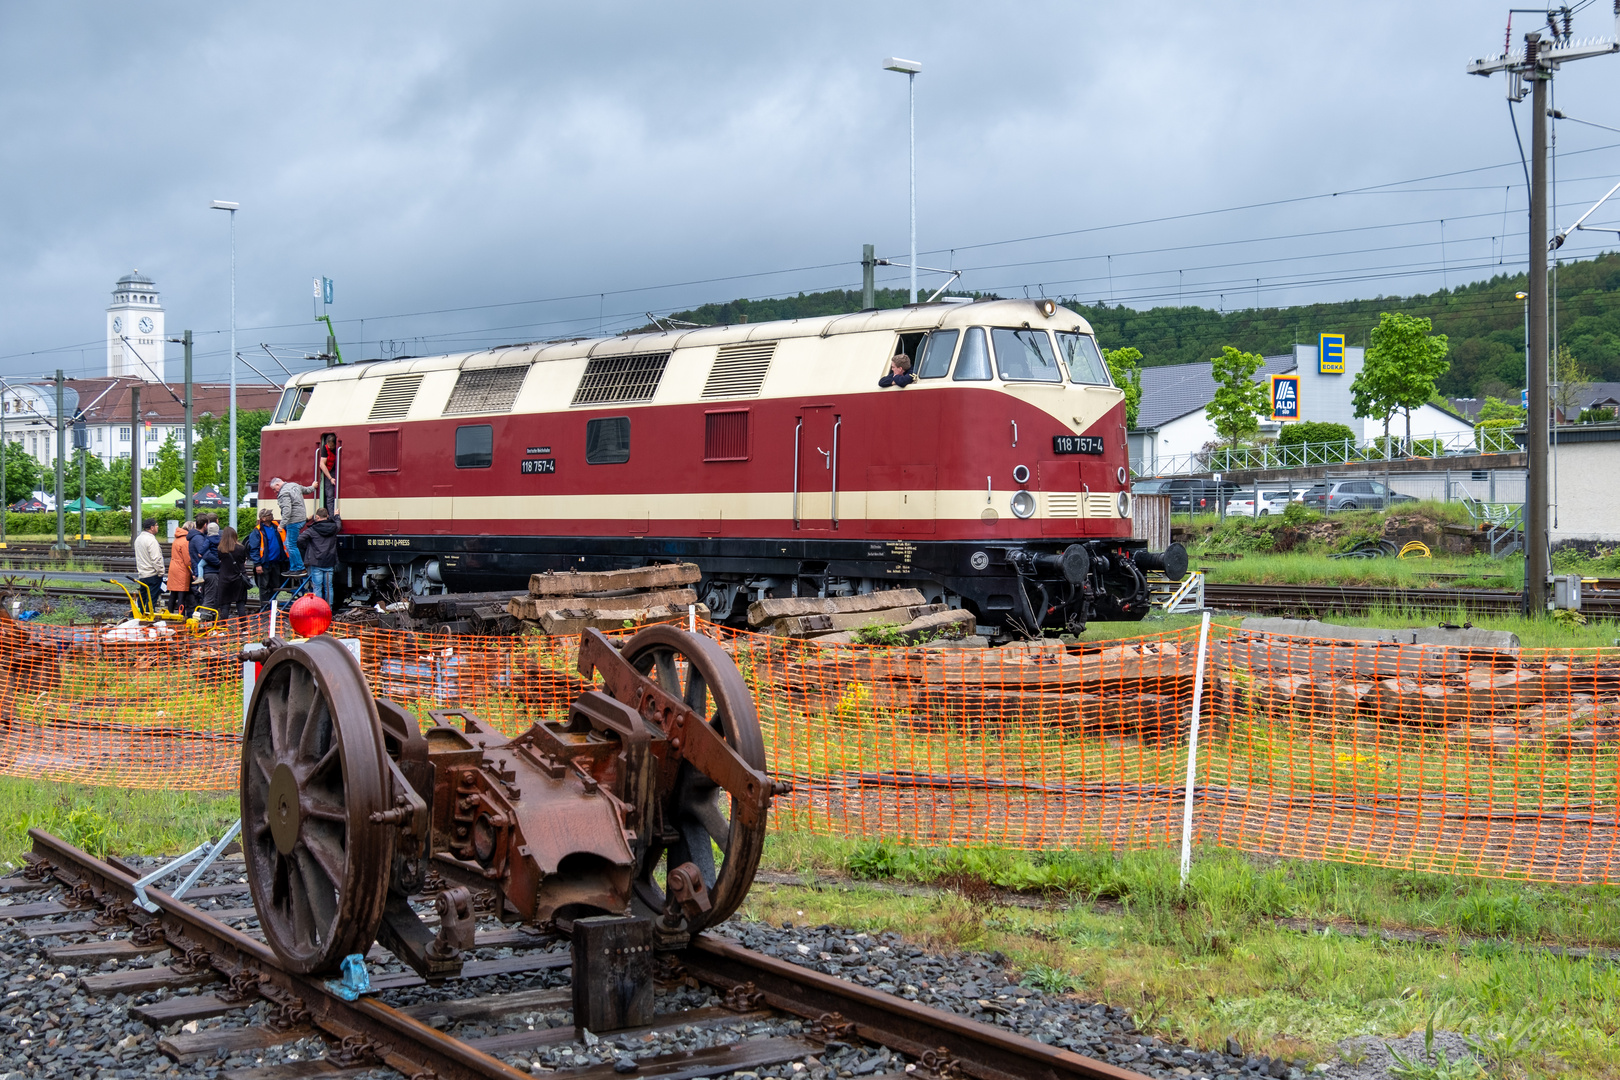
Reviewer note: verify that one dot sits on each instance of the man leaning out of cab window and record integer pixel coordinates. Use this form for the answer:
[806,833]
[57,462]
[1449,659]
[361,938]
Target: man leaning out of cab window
[899,372]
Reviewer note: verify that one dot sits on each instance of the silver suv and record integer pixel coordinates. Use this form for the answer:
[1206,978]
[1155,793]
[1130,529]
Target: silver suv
[1329,495]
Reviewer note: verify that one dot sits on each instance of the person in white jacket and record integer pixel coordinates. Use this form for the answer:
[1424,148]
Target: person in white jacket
[149,564]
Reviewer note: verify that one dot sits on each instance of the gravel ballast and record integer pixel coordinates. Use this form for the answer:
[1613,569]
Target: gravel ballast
[51,1027]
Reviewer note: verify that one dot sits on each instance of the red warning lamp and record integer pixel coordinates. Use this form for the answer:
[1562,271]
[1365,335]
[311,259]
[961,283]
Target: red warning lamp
[309,616]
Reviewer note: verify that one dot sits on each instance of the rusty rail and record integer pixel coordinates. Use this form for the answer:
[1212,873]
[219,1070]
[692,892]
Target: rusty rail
[947,1044]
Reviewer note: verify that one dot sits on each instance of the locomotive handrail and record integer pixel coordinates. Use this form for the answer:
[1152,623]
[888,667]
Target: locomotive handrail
[797,428]
[838,422]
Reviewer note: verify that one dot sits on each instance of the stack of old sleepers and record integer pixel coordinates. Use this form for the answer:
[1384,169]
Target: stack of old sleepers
[838,620]
[1472,687]
[1143,690]
[571,602]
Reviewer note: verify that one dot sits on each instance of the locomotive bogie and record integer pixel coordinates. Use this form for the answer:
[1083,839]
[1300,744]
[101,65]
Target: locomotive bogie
[766,453]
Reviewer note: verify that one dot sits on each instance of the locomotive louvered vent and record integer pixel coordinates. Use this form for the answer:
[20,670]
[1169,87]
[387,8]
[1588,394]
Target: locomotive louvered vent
[395,397]
[739,370]
[615,379]
[486,390]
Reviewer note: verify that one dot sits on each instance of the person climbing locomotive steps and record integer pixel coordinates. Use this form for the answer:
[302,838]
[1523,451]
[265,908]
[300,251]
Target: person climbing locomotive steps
[326,470]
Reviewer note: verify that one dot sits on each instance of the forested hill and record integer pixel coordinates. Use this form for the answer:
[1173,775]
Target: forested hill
[1484,322]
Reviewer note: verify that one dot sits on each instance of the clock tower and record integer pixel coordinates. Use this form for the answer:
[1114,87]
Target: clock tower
[135,329]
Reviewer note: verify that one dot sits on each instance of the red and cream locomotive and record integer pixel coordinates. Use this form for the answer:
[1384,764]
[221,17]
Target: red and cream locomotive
[766,453]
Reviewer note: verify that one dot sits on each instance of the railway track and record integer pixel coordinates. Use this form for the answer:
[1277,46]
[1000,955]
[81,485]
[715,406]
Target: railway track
[1357,599]
[234,972]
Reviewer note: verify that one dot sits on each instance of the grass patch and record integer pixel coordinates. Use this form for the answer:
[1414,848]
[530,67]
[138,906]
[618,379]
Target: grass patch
[1309,569]
[102,820]
[1211,962]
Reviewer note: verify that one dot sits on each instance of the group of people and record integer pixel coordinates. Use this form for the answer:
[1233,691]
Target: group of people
[211,566]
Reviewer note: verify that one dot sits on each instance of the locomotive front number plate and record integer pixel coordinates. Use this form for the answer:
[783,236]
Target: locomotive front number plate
[530,466]
[1077,444]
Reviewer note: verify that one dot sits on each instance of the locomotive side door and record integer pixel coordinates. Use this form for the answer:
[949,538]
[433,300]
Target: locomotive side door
[815,469]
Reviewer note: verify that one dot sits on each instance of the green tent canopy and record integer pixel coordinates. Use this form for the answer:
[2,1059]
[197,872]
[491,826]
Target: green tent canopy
[167,499]
[89,504]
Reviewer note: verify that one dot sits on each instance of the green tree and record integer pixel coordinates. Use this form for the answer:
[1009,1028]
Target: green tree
[115,484]
[204,462]
[1239,400]
[169,471]
[1125,368]
[22,472]
[95,475]
[1403,365]
[249,424]
[1497,409]
[1574,379]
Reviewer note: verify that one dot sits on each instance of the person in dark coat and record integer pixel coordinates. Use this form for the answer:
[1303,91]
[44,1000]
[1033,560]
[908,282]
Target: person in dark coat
[318,542]
[230,556]
[198,543]
[899,372]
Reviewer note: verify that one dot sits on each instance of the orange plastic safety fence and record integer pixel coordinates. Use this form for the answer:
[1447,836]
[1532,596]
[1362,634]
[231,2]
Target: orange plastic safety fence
[1484,761]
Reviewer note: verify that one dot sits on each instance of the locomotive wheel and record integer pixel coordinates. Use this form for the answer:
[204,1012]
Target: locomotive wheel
[313,772]
[697,670]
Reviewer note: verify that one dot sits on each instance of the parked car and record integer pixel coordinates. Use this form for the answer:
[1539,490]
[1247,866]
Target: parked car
[1271,502]
[1187,495]
[1331,495]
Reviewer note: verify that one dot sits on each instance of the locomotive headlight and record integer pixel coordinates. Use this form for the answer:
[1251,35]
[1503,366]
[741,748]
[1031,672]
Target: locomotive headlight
[1021,474]
[1023,504]
[1124,504]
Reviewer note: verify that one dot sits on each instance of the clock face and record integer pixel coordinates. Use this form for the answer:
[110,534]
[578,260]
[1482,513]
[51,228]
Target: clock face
[146,326]
[118,325]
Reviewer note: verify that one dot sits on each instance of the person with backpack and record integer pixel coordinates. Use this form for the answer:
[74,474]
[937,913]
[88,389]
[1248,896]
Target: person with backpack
[318,539]
[230,556]
[267,547]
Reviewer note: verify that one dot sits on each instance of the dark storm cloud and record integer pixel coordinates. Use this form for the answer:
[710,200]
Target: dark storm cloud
[434,157]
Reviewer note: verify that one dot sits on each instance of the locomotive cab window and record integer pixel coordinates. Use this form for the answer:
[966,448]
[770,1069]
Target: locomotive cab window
[1079,354]
[973,364]
[293,403]
[607,441]
[911,345]
[475,446]
[1025,356]
[937,353]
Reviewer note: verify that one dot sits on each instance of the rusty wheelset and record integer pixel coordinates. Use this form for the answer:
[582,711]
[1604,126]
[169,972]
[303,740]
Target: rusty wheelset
[648,799]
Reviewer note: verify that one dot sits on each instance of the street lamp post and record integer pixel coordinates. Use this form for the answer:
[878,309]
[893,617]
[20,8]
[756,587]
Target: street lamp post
[910,68]
[230,495]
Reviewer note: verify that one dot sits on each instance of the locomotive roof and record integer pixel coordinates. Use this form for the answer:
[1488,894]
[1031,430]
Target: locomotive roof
[911,319]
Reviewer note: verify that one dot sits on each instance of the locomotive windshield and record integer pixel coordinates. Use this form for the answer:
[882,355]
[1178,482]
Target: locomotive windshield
[1025,356]
[1079,352]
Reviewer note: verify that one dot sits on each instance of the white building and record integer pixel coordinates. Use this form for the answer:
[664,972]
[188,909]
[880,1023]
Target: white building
[135,329]
[103,406]
[1172,426]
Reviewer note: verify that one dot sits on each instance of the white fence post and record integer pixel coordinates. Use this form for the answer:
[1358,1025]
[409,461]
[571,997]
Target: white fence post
[1192,751]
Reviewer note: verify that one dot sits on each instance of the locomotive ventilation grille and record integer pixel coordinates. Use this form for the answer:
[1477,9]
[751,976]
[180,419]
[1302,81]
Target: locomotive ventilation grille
[739,370]
[486,390]
[612,379]
[1062,504]
[1100,504]
[395,397]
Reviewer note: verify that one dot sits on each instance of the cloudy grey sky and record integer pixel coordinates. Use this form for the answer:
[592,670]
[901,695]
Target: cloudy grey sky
[482,173]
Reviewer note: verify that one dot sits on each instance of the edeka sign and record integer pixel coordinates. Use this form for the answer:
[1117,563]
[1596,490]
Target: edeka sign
[1330,354]
[1285,397]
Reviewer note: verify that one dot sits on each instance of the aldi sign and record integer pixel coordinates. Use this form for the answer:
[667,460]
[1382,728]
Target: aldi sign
[1285,397]
[1330,354]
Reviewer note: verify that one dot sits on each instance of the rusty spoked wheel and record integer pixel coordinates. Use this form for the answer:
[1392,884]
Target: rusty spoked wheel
[711,837]
[313,774]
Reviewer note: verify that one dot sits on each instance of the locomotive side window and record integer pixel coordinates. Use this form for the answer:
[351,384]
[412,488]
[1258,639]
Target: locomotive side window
[607,441]
[936,357]
[475,446]
[1080,356]
[1025,356]
[974,363]
[293,402]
